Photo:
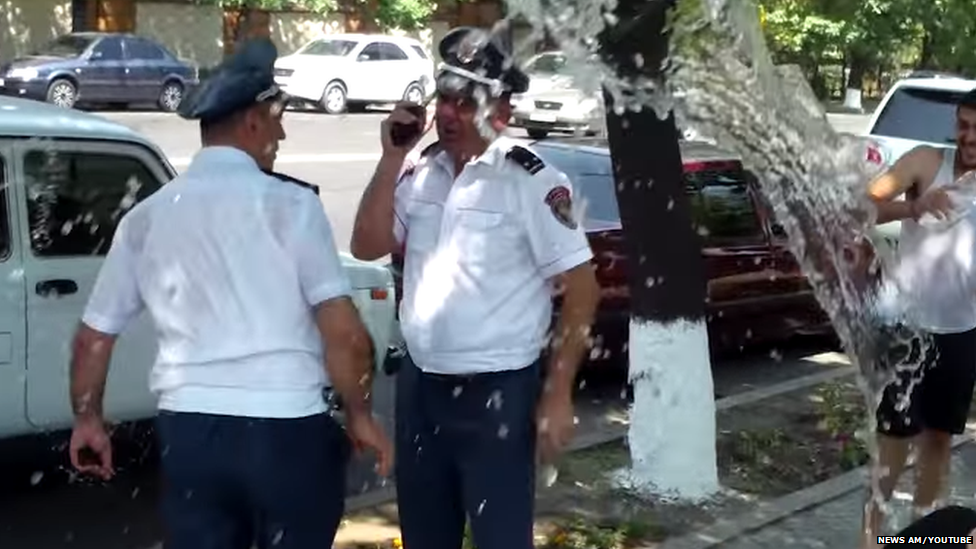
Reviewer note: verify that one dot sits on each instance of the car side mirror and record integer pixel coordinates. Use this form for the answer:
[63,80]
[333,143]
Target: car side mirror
[362,58]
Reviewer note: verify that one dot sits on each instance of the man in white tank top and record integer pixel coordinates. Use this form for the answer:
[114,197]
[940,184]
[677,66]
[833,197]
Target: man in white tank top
[935,286]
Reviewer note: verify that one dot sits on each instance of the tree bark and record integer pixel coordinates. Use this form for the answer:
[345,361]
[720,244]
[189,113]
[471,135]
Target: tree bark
[855,84]
[672,423]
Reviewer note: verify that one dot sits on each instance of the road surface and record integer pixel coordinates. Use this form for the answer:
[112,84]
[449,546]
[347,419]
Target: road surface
[338,154]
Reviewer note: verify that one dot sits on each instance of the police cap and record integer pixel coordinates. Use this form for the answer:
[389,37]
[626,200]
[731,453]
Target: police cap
[240,81]
[473,57]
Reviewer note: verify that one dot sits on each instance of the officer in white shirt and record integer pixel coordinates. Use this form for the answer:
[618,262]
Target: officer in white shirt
[488,232]
[239,271]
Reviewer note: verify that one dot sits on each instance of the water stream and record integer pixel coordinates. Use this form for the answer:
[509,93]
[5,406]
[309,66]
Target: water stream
[723,87]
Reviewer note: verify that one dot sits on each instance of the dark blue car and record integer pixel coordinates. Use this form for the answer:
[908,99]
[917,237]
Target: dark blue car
[100,68]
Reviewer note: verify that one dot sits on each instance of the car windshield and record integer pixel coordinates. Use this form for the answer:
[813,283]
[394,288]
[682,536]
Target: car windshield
[546,64]
[65,46]
[919,114]
[337,48]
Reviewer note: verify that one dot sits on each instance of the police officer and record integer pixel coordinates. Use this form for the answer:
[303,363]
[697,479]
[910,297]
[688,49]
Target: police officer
[240,274]
[488,232]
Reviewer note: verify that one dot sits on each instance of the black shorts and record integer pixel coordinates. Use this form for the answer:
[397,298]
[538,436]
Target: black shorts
[935,396]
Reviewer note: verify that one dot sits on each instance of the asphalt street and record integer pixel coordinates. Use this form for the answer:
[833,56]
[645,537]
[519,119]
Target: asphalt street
[337,153]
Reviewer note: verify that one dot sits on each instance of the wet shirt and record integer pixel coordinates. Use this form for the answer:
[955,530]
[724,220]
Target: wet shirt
[228,262]
[933,284]
[480,254]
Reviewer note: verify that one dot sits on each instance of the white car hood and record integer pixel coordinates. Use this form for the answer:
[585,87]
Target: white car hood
[315,62]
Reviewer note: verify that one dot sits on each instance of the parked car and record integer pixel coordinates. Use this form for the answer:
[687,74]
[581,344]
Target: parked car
[351,71]
[918,110]
[554,103]
[100,68]
[67,176]
[756,290]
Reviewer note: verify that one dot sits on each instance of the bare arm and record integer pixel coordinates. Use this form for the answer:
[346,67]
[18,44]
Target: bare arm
[570,340]
[91,352]
[915,169]
[348,353]
[372,233]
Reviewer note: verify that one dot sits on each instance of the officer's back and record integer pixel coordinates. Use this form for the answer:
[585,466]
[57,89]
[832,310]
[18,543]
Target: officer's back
[238,268]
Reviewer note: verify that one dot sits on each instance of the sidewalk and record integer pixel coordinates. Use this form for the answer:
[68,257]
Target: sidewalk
[834,524]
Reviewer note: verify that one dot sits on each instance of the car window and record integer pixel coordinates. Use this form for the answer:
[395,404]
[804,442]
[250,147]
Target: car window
[722,205]
[419,51]
[329,47]
[392,52]
[547,63]
[4,216]
[919,114]
[372,52]
[75,199]
[108,49]
[136,48]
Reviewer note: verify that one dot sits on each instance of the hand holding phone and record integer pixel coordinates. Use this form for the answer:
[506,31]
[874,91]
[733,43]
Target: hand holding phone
[405,125]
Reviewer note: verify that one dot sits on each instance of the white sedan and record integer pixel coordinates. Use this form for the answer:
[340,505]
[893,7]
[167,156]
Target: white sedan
[350,71]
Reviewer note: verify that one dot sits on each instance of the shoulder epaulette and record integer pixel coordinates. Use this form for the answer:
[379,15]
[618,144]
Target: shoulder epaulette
[430,149]
[525,158]
[296,181]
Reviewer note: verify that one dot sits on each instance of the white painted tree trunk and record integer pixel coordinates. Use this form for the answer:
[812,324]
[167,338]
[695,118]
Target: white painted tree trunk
[852,100]
[672,421]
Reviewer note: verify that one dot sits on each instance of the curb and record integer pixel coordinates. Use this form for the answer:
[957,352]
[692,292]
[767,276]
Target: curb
[611,433]
[766,513]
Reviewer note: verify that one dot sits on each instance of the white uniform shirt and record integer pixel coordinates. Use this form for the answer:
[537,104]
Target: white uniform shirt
[480,254]
[229,263]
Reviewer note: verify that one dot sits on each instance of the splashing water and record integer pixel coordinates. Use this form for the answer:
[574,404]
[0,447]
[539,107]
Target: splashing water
[722,87]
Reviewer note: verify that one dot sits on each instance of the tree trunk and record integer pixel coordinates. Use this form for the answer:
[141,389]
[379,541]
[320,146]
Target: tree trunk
[672,420]
[855,84]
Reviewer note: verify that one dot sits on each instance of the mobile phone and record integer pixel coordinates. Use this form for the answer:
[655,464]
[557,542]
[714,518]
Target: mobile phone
[87,456]
[403,134]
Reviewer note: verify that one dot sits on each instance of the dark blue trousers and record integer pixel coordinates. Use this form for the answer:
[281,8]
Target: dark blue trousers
[466,449]
[234,482]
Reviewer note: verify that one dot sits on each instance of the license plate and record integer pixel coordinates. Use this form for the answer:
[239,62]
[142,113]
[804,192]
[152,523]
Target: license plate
[542,117]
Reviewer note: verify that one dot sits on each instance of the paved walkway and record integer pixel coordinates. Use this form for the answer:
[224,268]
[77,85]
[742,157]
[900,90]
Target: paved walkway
[834,524]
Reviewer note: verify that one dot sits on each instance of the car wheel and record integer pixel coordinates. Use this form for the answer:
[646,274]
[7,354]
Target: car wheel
[334,98]
[414,94]
[537,134]
[171,96]
[62,93]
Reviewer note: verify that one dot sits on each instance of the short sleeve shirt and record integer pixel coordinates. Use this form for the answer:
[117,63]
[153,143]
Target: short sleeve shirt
[229,262]
[480,254]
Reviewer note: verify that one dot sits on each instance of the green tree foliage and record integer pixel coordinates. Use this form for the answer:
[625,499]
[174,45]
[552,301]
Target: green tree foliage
[867,34]
[405,15]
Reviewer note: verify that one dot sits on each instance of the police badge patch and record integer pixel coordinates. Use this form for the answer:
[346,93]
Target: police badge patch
[560,202]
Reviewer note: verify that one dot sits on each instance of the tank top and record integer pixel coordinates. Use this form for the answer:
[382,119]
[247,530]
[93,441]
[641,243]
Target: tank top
[935,273]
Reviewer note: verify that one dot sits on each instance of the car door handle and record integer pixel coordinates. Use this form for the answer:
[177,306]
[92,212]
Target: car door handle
[57,286]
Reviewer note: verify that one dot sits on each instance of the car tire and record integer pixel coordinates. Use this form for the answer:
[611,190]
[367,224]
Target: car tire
[170,96]
[63,93]
[537,134]
[414,94]
[334,98]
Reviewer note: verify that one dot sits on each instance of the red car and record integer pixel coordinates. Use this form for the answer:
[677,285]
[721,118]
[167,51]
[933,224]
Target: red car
[756,291]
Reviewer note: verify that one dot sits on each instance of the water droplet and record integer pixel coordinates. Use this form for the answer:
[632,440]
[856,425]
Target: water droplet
[495,401]
[36,478]
[649,282]
[503,431]
[638,60]
[457,391]
[670,204]
[135,492]
[776,355]
[481,507]
[277,537]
